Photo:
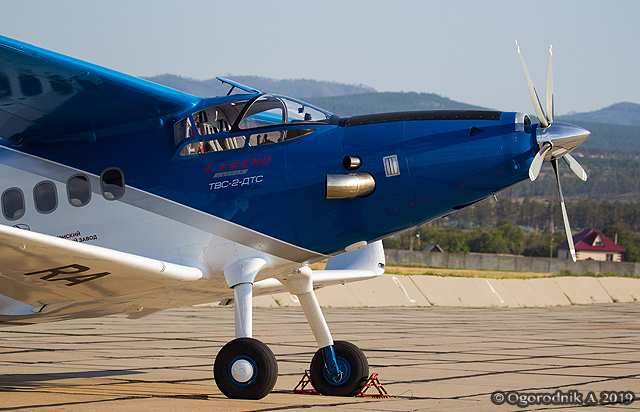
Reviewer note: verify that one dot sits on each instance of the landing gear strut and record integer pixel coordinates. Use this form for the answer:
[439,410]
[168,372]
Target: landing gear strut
[338,368]
[245,368]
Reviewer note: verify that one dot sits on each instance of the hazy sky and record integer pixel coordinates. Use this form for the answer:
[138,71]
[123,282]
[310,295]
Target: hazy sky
[463,50]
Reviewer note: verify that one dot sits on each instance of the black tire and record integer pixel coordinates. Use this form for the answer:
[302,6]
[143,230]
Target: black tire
[351,358]
[265,369]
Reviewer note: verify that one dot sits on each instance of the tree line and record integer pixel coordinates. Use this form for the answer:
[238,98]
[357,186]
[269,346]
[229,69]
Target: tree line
[503,238]
[539,214]
[529,227]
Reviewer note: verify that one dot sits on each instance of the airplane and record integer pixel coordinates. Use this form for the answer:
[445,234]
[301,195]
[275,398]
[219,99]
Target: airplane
[121,196]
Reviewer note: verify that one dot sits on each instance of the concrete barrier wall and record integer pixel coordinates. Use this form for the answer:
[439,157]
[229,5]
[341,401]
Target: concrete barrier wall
[424,291]
[481,261]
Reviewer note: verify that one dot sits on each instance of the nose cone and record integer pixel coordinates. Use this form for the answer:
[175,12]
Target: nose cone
[564,137]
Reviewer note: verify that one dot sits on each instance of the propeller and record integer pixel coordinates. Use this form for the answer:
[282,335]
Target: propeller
[555,140]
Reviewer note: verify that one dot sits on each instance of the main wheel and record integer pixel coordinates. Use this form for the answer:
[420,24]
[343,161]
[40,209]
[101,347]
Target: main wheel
[352,363]
[245,368]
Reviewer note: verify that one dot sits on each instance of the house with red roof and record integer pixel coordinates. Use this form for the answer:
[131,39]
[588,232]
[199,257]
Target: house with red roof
[591,244]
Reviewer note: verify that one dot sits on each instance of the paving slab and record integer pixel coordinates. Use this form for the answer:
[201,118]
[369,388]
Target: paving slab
[620,289]
[523,292]
[431,358]
[385,290]
[503,298]
[549,292]
[437,290]
[581,293]
[470,293]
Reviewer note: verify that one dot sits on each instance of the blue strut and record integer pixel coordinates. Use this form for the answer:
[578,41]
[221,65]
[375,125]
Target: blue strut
[331,364]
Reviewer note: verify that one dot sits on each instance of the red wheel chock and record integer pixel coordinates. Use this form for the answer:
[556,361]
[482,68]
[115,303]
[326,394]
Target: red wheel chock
[301,386]
[372,382]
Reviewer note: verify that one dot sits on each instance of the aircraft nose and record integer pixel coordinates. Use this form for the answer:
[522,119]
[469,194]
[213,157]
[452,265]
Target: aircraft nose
[564,137]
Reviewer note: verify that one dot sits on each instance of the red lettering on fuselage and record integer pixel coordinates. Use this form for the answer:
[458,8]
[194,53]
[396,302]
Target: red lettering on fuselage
[238,164]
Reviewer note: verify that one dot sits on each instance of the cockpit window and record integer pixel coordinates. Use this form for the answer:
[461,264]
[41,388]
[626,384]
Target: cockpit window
[299,112]
[275,136]
[182,130]
[265,111]
[213,121]
[271,110]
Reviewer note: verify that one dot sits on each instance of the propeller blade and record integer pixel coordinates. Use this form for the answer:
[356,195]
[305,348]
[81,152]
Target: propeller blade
[565,218]
[550,88]
[536,165]
[575,167]
[532,92]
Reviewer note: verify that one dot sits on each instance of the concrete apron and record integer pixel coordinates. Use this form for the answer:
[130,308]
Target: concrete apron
[422,290]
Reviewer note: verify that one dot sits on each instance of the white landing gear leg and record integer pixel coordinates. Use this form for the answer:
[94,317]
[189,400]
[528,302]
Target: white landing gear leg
[338,368]
[245,368]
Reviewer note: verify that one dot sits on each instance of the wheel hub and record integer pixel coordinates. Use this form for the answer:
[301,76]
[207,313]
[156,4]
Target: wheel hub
[242,370]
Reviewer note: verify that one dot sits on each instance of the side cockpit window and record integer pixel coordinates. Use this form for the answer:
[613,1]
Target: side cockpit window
[213,122]
[277,136]
[45,197]
[78,190]
[13,204]
[273,114]
[112,184]
[265,111]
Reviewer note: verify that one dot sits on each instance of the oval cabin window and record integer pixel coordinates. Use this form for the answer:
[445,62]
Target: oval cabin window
[79,190]
[13,204]
[45,197]
[112,182]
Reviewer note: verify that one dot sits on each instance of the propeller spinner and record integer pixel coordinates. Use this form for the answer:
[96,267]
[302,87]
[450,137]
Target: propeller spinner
[555,140]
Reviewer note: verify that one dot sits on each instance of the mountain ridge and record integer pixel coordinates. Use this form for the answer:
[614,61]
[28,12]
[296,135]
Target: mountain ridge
[298,88]
[333,96]
[623,113]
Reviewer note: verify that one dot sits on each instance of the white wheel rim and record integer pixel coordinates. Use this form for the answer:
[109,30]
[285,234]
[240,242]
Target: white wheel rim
[242,370]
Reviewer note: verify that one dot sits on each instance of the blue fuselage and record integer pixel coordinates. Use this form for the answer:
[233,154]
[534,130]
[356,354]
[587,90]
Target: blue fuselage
[445,161]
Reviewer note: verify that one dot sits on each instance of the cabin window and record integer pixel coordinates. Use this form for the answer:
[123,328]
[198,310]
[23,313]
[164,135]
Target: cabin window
[45,197]
[13,204]
[112,184]
[79,190]
[277,136]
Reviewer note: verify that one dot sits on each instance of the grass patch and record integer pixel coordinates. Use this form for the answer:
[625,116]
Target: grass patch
[591,274]
[475,273]
[466,273]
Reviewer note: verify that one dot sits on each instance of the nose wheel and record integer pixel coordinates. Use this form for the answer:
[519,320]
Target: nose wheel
[245,368]
[353,366]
